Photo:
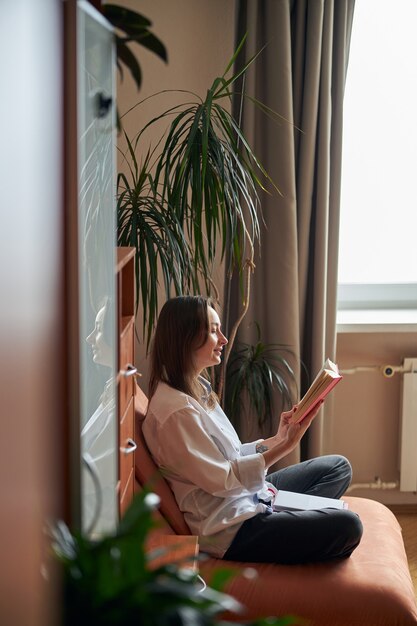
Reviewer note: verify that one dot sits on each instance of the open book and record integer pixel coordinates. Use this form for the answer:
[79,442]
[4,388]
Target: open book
[324,382]
[291,501]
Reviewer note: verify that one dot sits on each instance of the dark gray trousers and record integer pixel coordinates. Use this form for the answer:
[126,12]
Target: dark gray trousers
[302,536]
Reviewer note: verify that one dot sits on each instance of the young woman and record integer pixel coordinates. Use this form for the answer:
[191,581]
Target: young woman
[220,484]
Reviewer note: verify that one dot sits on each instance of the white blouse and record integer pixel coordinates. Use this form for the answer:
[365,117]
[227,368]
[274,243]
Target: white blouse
[215,478]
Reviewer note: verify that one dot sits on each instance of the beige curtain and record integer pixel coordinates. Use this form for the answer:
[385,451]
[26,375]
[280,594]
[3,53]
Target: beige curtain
[301,75]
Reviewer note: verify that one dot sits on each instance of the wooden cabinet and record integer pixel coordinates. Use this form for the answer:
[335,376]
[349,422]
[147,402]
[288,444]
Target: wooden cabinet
[126,374]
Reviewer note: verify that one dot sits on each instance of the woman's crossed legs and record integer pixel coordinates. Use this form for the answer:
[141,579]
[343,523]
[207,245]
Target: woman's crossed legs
[302,536]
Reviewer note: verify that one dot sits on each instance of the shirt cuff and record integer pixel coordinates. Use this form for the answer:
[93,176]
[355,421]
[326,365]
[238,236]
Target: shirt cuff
[249,448]
[250,470]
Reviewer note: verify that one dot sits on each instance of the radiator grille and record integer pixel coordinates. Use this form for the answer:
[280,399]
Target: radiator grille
[408,434]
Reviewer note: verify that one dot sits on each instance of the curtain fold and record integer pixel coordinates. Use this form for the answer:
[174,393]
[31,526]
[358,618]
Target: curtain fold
[300,74]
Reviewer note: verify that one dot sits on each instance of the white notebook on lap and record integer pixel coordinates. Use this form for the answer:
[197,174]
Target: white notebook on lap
[291,501]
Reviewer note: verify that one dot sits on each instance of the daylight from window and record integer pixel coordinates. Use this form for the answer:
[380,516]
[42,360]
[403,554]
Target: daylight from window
[378,230]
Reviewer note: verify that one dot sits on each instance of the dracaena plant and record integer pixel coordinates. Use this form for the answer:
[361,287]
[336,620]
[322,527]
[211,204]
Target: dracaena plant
[132,27]
[253,373]
[146,222]
[207,175]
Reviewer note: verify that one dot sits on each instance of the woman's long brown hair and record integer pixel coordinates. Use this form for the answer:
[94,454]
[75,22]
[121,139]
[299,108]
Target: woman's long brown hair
[182,327]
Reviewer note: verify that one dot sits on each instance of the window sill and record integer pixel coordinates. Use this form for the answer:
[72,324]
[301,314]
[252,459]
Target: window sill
[377,321]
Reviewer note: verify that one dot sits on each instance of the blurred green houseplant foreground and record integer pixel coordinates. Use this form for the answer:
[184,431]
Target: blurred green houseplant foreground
[107,582]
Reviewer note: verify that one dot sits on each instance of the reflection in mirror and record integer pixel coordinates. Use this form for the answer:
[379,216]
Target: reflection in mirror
[97,436]
[101,336]
[97,283]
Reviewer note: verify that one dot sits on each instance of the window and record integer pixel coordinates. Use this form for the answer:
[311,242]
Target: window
[378,230]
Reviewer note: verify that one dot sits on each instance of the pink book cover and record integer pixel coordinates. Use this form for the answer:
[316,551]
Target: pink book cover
[326,379]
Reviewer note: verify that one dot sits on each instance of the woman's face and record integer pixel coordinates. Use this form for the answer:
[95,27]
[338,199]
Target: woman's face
[210,352]
[102,352]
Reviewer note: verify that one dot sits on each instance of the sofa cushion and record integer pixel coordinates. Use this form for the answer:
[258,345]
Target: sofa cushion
[373,587]
[147,473]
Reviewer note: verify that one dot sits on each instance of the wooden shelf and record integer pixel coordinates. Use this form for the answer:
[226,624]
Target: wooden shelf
[124,254]
[125,324]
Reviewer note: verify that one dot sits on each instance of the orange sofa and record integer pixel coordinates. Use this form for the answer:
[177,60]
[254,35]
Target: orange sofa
[371,588]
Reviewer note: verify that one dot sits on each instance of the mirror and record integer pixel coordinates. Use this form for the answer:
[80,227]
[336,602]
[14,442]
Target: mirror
[97,281]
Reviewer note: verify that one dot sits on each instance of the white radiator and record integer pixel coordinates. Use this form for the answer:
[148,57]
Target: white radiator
[408,432]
